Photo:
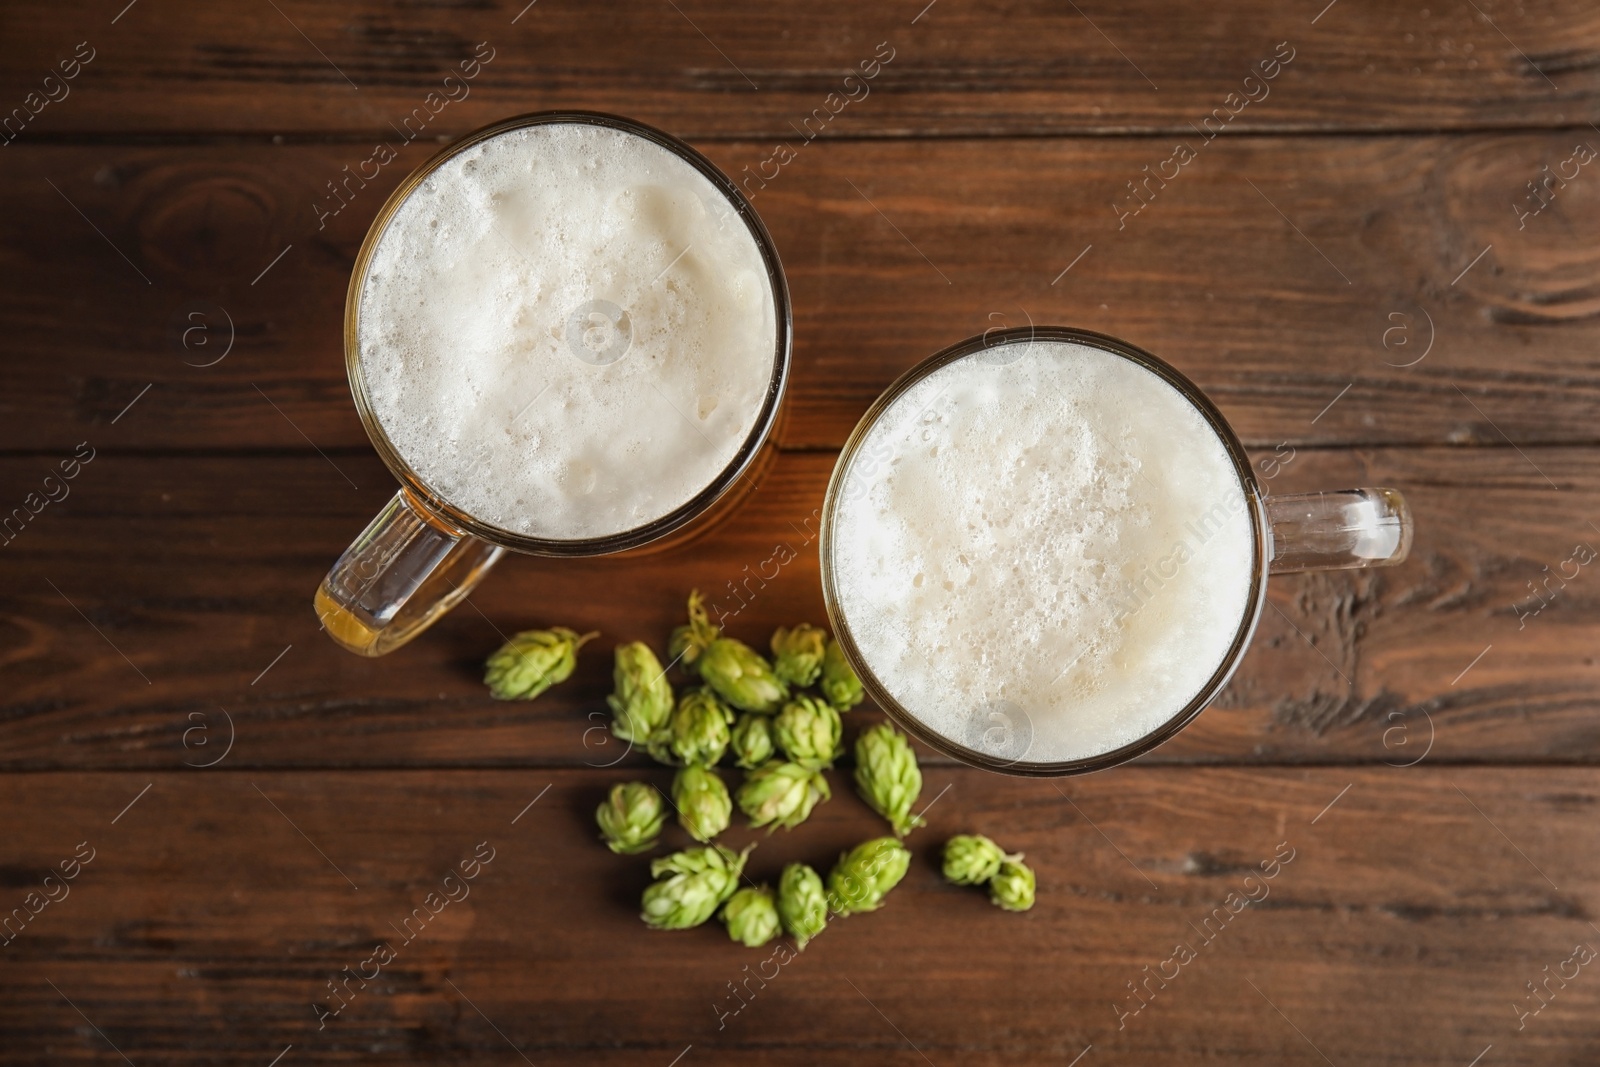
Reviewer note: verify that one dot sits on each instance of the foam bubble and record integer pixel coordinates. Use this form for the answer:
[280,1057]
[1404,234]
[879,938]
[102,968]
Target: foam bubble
[567,331]
[1061,535]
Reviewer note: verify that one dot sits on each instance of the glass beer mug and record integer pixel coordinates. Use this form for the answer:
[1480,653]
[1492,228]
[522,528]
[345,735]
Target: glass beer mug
[613,319]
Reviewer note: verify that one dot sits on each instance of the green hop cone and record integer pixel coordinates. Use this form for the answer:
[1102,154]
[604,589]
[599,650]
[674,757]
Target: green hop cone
[532,662]
[797,654]
[751,740]
[741,677]
[839,682]
[971,859]
[630,818]
[864,875]
[802,904]
[689,641]
[887,776]
[691,884]
[1012,886]
[809,732]
[737,672]
[751,917]
[702,800]
[781,794]
[642,699]
[696,731]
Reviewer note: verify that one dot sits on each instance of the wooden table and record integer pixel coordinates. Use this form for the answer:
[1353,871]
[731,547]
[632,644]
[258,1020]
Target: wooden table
[1346,256]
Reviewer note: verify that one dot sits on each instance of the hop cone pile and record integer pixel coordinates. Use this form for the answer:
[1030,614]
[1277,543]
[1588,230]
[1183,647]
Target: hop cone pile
[781,723]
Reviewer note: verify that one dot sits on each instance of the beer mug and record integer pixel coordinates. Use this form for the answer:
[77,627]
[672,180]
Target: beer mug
[604,259]
[1044,551]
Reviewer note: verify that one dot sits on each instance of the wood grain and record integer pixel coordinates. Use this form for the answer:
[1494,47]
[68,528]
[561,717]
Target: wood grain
[936,242]
[1400,904]
[1352,269]
[216,561]
[757,71]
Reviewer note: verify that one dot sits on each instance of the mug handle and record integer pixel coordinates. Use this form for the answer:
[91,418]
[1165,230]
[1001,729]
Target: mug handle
[1347,529]
[406,569]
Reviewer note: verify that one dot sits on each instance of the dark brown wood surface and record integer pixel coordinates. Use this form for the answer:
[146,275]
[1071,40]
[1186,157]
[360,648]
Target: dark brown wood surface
[703,68]
[1351,270]
[206,927]
[1345,666]
[938,240]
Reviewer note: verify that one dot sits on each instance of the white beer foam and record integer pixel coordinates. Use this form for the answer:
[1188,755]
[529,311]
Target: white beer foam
[501,409]
[1043,539]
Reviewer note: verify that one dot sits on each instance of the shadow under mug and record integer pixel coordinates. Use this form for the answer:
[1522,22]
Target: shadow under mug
[422,555]
[1341,530]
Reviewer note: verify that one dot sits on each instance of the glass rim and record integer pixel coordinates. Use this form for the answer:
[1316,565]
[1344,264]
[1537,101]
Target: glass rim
[749,450]
[1261,538]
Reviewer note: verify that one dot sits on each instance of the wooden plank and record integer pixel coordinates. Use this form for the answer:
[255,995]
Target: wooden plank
[706,69]
[1456,325]
[207,925]
[204,607]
